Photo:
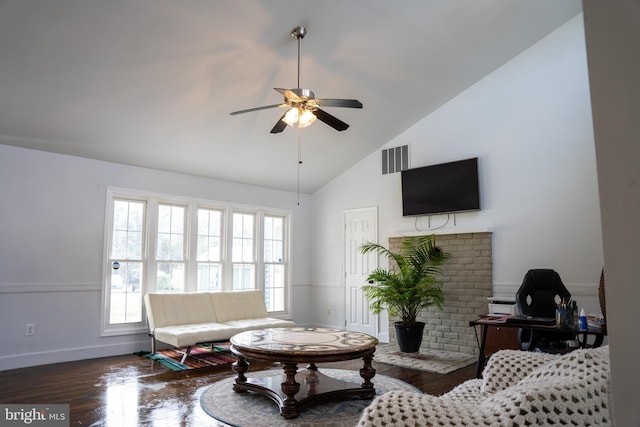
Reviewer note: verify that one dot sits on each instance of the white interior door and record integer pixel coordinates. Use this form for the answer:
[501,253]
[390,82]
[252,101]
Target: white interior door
[360,225]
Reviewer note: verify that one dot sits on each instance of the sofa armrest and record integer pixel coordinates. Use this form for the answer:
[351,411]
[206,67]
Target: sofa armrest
[506,367]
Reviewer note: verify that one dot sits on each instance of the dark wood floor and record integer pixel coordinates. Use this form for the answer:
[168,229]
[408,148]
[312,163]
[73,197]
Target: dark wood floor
[135,391]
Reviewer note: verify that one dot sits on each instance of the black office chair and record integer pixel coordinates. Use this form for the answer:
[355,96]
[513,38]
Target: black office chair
[539,294]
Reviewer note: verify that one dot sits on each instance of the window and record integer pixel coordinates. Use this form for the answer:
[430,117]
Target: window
[243,254]
[209,258]
[274,267]
[170,249]
[126,262]
[166,244]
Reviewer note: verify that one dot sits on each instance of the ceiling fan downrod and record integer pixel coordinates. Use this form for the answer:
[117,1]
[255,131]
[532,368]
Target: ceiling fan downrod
[298,33]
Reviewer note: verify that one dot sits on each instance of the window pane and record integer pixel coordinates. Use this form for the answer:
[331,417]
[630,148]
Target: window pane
[126,296]
[209,235]
[164,219]
[177,220]
[243,239]
[170,277]
[273,239]
[268,227]
[164,245]
[120,215]
[134,245]
[274,286]
[274,299]
[119,244]
[243,276]
[177,243]
[273,251]
[215,249]
[170,241]
[136,216]
[209,277]
[126,241]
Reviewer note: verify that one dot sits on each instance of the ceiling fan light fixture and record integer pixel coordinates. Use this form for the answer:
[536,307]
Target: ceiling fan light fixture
[291,116]
[306,118]
[299,115]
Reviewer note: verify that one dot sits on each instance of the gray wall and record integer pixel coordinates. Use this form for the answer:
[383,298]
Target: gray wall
[51,243]
[613,40]
[529,123]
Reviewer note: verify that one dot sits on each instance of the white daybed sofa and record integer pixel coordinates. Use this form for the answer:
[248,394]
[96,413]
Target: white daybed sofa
[518,388]
[186,319]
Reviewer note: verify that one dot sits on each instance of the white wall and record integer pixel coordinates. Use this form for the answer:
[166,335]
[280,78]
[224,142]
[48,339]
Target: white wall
[529,123]
[51,240]
[613,40]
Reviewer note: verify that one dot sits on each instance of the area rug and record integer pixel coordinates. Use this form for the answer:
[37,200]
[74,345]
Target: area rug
[201,356]
[438,361]
[251,410]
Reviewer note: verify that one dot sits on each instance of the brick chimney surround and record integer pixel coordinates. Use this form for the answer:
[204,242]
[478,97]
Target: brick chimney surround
[467,283]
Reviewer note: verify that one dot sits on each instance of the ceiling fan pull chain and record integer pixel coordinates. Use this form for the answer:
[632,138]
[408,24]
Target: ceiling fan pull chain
[299,161]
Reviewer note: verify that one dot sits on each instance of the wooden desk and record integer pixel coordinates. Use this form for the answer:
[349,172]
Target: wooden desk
[485,323]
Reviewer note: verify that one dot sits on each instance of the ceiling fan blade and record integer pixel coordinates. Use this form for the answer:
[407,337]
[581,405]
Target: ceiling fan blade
[332,121]
[279,126]
[288,94]
[347,103]
[257,109]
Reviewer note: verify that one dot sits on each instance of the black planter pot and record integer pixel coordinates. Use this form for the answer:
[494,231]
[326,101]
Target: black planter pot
[409,336]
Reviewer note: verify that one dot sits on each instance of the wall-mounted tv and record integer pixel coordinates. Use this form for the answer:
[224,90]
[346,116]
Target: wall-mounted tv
[442,188]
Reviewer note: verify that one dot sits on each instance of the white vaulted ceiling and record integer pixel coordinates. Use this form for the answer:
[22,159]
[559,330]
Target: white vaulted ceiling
[152,82]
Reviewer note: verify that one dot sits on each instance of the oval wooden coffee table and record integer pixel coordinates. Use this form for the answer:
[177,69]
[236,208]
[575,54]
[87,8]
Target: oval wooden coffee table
[290,346]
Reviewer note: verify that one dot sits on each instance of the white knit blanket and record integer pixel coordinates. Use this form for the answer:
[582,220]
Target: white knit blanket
[517,389]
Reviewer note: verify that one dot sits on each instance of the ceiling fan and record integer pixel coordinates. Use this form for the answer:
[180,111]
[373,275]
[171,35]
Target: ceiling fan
[302,105]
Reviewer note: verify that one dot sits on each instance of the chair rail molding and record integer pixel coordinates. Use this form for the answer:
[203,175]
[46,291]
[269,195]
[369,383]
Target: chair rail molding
[18,288]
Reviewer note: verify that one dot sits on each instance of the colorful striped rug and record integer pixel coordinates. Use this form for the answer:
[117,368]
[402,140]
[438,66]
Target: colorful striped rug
[201,356]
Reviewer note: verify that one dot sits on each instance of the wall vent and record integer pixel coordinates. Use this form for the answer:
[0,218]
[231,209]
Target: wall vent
[395,159]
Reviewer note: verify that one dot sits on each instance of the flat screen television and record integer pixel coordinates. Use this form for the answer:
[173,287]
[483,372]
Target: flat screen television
[442,188]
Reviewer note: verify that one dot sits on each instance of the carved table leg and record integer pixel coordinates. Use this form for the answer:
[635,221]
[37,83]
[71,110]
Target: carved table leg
[367,373]
[240,366]
[290,387]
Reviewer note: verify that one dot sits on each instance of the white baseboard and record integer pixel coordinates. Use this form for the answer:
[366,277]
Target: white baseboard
[25,360]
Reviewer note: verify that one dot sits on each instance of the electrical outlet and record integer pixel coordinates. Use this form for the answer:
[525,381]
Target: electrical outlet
[30,329]
[328,311]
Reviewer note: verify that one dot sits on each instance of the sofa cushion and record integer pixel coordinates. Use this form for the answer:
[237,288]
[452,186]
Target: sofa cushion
[238,305]
[170,309]
[263,323]
[187,335]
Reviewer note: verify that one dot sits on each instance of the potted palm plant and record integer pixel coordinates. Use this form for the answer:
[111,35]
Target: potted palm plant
[410,287]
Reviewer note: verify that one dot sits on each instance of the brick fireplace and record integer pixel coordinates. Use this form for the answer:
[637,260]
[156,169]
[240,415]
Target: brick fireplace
[467,283]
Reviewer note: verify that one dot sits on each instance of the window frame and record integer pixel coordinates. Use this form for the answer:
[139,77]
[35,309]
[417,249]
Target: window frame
[192,269]
[150,233]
